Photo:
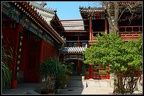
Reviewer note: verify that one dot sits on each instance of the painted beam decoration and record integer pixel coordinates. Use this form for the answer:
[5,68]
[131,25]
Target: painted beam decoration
[68,57]
[9,10]
[20,17]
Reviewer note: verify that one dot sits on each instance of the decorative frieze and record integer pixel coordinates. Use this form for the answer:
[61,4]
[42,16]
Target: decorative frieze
[20,17]
[79,57]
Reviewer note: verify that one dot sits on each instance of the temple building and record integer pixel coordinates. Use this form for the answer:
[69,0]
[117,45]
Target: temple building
[35,33]
[26,29]
[79,35]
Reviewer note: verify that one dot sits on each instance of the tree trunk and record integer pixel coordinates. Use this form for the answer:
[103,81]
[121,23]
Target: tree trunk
[112,18]
[115,84]
[48,82]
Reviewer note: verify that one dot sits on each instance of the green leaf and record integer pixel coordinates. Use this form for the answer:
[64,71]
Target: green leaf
[111,49]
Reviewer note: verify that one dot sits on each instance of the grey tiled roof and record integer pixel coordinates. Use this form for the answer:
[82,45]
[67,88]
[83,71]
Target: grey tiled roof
[82,9]
[73,49]
[46,13]
[75,25]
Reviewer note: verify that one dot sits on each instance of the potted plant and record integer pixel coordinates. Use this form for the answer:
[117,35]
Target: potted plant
[61,80]
[50,69]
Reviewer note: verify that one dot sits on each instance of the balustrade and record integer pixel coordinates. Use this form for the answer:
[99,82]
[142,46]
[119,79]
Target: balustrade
[130,29]
[130,32]
[75,44]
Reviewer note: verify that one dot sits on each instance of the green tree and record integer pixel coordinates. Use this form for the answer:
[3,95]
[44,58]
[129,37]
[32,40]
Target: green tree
[124,59]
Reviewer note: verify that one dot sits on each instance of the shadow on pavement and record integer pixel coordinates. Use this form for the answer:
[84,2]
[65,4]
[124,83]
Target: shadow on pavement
[74,86]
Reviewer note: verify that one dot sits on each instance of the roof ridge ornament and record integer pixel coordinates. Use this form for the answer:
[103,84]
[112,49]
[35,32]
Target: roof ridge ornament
[43,4]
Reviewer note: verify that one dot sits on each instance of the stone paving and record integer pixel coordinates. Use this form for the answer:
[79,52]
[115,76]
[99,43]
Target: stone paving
[23,88]
[76,86]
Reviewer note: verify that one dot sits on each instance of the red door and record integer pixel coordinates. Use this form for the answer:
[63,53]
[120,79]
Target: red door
[32,60]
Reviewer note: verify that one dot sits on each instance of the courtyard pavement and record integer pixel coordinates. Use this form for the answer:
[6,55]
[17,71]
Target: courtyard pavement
[77,85]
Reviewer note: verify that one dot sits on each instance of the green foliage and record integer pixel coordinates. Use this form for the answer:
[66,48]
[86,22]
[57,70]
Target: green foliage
[6,73]
[69,67]
[102,72]
[51,67]
[112,50]
[124,58]
[62,80]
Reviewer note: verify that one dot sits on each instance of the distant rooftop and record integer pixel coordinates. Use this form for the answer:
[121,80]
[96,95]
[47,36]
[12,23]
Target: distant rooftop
[73,25]
[46,13]
[91,9]
[73,49]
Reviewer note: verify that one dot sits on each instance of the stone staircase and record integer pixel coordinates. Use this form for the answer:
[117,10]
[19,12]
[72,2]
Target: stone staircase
[75,81]
[96,83]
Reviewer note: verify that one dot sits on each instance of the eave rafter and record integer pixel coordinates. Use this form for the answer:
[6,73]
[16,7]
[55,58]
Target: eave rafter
[26,8]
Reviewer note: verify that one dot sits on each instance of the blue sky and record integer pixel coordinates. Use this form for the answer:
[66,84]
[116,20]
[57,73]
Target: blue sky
[68,9]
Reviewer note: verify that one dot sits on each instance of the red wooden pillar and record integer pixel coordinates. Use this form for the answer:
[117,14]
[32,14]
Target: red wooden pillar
[14,72]
[79,67]
[41,54]
[91,71]
[107,75]
[41,51]
[106,26]
[90,29]
[23,52]
[91,38]
[23,61]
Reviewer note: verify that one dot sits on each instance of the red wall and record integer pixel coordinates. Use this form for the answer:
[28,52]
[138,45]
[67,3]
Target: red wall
[34,51]
[32,60]
[47,50]
[10,40]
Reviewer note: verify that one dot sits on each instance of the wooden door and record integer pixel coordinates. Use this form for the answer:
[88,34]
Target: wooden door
[33,57]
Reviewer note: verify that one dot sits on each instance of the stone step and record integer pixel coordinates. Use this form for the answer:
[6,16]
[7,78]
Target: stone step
[75,84]
[75,81]
[99,83]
